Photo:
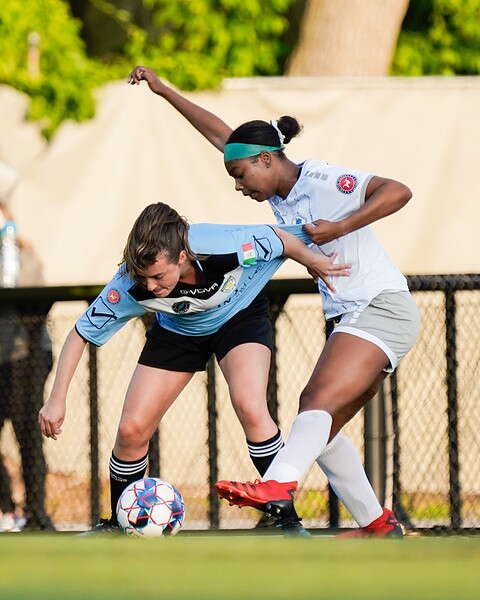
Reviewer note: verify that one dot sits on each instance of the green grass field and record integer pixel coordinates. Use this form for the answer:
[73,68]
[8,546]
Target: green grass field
[227,567]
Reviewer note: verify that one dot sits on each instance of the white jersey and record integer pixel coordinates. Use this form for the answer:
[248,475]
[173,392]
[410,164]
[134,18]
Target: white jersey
[332,193]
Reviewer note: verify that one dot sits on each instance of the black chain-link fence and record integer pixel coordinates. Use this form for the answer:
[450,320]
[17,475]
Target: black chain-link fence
[419,435]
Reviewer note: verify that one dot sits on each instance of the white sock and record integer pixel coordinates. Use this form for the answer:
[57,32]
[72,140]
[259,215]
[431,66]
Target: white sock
[308,437]
[342,465]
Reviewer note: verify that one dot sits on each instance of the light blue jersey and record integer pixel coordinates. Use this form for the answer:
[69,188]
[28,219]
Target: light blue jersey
[235,263]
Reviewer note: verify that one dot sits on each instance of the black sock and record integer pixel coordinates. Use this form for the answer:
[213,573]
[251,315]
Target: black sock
[122,474]
[262,453]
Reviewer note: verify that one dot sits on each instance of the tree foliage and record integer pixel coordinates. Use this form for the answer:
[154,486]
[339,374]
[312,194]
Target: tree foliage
[192,43]
[196,43]
[439,37]
[62,88]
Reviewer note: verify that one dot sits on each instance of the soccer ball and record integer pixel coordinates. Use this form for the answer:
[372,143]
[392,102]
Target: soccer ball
[151,508]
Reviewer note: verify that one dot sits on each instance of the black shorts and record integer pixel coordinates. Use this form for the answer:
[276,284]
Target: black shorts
[171,351]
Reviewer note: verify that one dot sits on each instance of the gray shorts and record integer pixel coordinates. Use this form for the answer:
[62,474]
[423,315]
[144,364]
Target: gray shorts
[391,321]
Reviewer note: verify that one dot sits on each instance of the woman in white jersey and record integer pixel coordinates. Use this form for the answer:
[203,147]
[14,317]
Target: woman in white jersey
[376,320]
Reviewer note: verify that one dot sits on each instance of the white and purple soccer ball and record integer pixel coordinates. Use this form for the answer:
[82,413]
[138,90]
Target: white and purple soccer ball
[150,507]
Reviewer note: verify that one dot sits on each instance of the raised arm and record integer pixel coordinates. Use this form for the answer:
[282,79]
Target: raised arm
[208,124]
[317,264]
[52,414]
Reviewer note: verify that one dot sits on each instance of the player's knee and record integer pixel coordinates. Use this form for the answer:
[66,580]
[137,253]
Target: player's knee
[250,418]
[308,400]
[314,399]
[252,414]
[131,433]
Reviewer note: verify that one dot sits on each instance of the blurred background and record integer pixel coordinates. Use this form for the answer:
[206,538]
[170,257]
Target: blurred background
[385,86]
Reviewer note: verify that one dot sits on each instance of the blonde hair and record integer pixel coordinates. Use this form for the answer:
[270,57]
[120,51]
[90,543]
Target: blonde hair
[158,228]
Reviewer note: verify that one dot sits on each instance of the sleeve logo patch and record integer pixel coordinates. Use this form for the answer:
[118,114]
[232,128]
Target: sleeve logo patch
[263,248]
[346,183]
[249,256]
[99,314]
[113,296]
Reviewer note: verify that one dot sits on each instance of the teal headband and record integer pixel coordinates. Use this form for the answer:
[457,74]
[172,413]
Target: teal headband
[237,150]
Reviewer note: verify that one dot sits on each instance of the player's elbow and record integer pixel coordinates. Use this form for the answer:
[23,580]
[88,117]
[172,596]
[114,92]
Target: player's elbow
[405,193]
[399,194]
[220,137]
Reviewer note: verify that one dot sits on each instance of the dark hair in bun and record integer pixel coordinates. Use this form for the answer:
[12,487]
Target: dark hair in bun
[290,127]
[265,134]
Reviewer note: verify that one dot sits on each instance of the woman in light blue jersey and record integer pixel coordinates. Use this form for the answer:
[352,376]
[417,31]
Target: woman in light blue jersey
[204,282]
[373,314]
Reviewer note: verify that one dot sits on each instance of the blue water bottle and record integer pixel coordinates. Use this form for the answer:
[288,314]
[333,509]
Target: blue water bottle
[9,255]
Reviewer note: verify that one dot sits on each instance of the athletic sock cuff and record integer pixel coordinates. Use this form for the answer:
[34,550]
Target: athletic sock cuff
[127,468]
[266,448]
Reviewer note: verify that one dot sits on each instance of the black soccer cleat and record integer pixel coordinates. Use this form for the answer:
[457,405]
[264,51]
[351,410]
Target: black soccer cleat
[264,522]
[295,530]
[284,516]
[102,527]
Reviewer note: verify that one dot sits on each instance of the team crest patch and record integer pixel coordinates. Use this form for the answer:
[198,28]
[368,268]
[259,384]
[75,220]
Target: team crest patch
[346,183]
[113,296]
[249,256]
[228,285]
[181,307]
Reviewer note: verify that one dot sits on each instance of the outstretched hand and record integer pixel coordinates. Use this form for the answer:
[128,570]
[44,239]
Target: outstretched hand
[324,267]
[140,73]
